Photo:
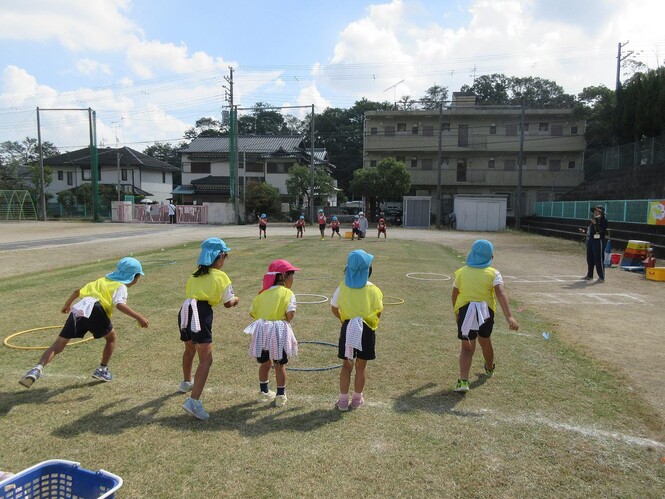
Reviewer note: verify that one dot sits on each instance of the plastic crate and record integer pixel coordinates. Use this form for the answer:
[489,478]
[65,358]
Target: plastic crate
[60,479]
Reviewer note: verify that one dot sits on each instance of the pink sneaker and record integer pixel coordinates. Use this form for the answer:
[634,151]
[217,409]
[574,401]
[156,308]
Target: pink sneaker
[357,402]
[342,404]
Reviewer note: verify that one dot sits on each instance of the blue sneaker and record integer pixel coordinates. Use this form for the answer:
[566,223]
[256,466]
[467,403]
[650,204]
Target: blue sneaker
[32,376]
[195,408]
[102,374]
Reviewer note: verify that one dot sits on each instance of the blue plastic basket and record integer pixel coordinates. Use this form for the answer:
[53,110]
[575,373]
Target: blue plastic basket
[60,479]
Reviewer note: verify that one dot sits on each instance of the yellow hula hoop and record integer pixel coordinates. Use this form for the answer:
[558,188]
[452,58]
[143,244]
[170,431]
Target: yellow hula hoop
[18,347]
[398,301]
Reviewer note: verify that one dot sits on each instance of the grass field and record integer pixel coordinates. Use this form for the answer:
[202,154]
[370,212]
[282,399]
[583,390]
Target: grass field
[551,423]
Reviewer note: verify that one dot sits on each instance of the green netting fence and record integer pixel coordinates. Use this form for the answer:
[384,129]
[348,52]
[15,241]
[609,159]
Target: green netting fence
[16,206]
[624,210]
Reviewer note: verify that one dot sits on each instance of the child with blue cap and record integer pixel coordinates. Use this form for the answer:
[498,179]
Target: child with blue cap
[476,289]
[93,313]
[263,225]
[300,226]
[334,226]
[357,303]
[322,223]
[205,288]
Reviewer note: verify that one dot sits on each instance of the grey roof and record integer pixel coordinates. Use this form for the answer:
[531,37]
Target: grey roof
[256,144]
[108,156]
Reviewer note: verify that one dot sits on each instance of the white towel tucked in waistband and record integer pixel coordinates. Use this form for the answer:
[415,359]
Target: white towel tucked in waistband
[275,337]
[354,335]
[476,315]
[190,303]
[84,307]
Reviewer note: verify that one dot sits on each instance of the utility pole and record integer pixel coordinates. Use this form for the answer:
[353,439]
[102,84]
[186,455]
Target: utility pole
[311,167]
[520,160]
[438,173]
[617,88]
[42,186]
[233,167]
[94,164]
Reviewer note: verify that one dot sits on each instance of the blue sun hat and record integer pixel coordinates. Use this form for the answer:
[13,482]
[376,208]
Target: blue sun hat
[302,217]
[481,254]
[334,218]
[126,269]
[357,268]
[263,215]
[210,249]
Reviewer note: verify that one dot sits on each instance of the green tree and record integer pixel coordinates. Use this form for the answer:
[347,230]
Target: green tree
[298,184]
[261,197]
[206,127]
[14,154]
[434,95]
[387,181]
[531,92]
[168,153]
[597,105]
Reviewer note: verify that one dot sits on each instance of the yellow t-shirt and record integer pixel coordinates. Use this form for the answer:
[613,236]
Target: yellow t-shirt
[365,302]
[272,304]
[475,284]
[103,290]
[209,287]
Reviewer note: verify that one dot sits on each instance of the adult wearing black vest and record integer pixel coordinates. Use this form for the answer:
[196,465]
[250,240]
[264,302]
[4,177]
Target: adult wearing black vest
[595,243]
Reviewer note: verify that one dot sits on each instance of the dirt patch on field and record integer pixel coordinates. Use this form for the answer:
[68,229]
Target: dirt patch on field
[619,322]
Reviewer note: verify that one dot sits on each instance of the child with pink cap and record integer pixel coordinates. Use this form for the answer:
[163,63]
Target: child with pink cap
[205,288]
[273,340]
[357,303]
[93,313]
[476,289]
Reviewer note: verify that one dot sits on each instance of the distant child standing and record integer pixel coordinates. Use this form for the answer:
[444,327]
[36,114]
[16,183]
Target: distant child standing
[357,303]
[322,224]
[263,225]
[205,288]
[355,228]
[300,226]
[476,289]
[273,340]
[334,225]
[93,313]
[381,227]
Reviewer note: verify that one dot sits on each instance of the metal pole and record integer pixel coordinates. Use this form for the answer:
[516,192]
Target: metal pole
[311,166]
[94,165]
[117,155]
[518,201]
[438,173]
[42,183]
[236,200]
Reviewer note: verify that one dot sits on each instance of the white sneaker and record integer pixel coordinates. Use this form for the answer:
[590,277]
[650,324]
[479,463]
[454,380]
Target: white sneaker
[195,408]
[280,400]
[265,397]
[185,386]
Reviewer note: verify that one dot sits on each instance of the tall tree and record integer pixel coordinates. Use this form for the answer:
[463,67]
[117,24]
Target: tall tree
[261,197]
[434,95]
[206,127]
[531,92]
[14,154]
[298,184]
[387,181]
[596,105]
[168,153]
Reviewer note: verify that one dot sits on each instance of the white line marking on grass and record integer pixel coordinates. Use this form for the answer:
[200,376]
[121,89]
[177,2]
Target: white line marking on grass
[588,298]
[542,279]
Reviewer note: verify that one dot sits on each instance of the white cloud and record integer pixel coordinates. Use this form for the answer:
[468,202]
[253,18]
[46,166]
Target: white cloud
[90,67]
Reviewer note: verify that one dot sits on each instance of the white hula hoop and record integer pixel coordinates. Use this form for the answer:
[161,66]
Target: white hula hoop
[440,277]
[325,299]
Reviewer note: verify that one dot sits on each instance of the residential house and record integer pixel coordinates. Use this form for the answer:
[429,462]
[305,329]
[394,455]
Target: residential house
[133,172]
[479,150]
[263,158]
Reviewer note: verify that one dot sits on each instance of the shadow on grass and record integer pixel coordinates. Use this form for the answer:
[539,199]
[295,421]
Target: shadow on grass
[440,401]
[251,419]
[37,396]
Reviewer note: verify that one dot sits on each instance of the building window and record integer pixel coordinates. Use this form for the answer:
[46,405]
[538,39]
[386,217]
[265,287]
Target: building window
[555,165]
[163,177]
[277,168]
[573,130]
[490,163]
[445,127]
[200,167]
[511,130]
[123,174]
[509,164]
[526,127]
[372,162]
[414,163]
[428,130]
[463,136]
[401,159]
[492,129]
[557,130]
[541,161]
[571,165]
[401,127]
[461,170]
[254,167]
[373,130]
[61,175]
[389,130]
[543,127]
[444,162]
[70,178]
[86,174]
[427,164]
[414,130]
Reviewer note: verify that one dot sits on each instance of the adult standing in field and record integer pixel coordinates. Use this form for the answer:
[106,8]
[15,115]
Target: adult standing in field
[476,289]
[171,212]
[364,225]
[595,243]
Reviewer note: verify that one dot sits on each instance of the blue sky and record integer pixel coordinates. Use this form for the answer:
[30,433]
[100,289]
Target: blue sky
[151,68]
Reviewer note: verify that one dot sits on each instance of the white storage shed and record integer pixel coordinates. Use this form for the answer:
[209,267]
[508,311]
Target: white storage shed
[482,213]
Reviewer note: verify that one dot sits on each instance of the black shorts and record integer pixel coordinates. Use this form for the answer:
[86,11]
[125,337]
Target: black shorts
[265,357]
[322,226]
[335,229]
[357,231]
[485,331]
[368,342]
[205,318]
[98,324]
[262,227]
